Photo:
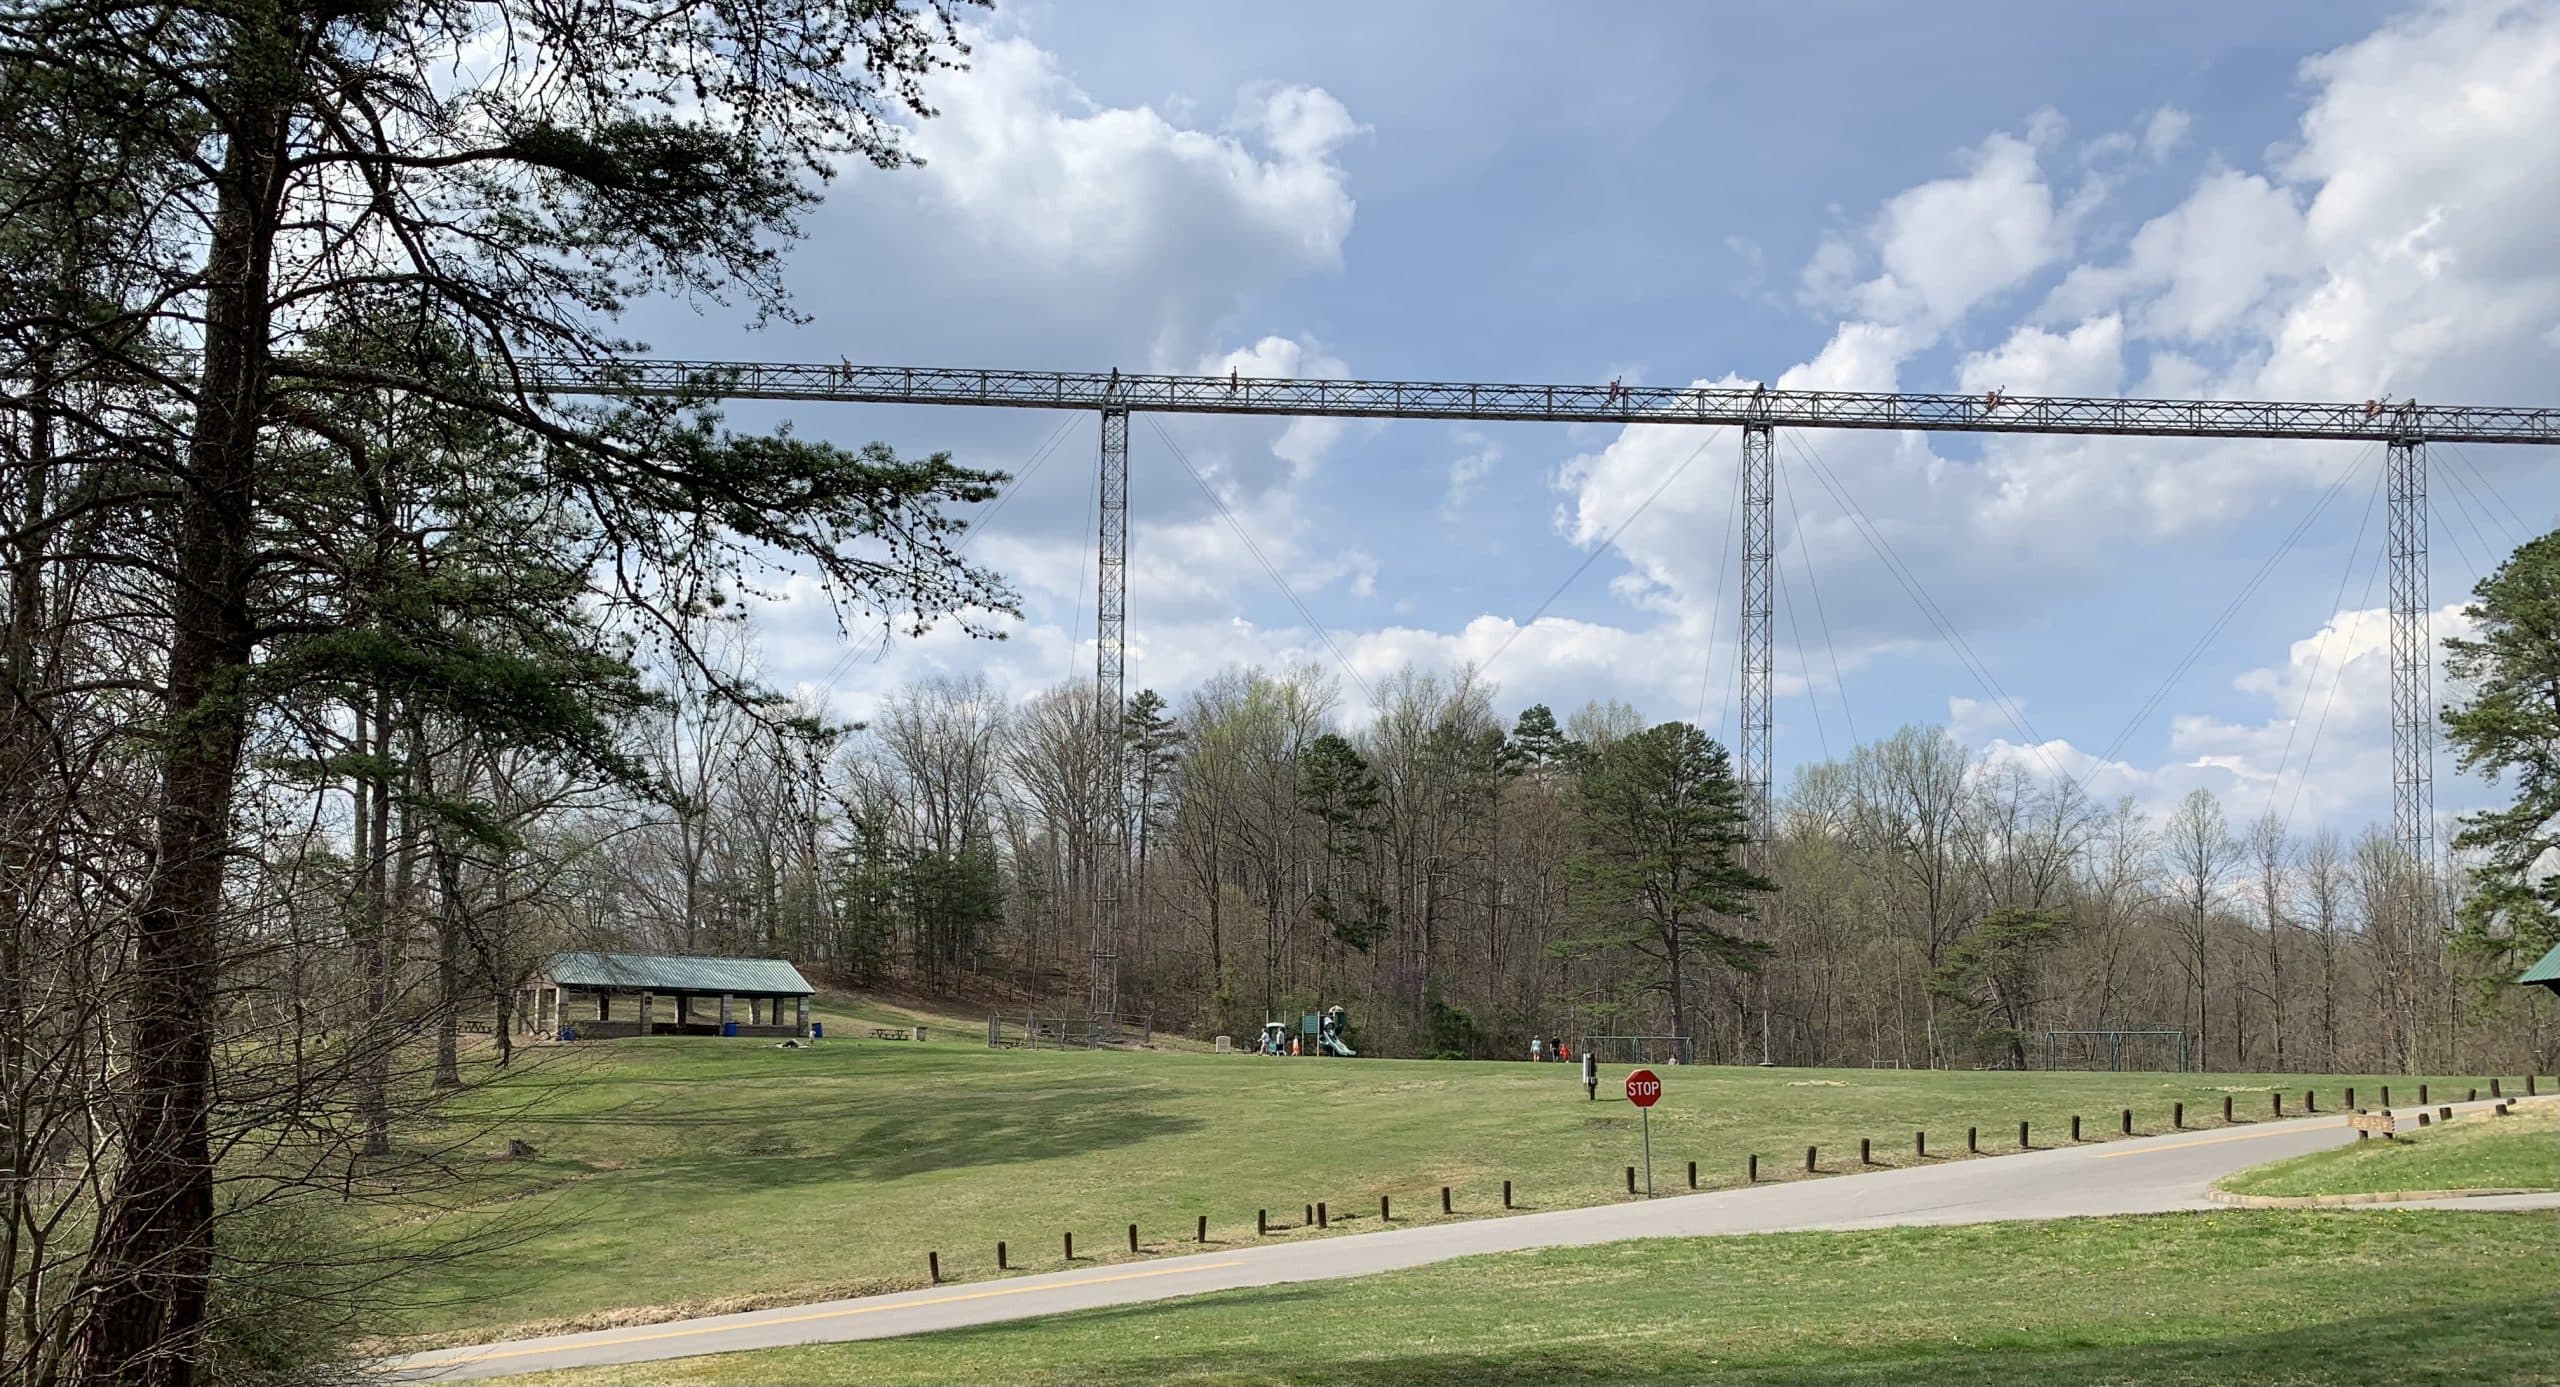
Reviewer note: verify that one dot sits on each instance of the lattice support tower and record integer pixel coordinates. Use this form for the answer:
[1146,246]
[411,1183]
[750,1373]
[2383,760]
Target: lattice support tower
[1755,740]
[1110,691]
[1756,410]
[2413,730]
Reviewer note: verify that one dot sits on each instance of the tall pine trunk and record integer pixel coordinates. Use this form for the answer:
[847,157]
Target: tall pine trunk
[151,1276]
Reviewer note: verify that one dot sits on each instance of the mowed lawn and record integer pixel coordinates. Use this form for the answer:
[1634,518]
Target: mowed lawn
[683,1176]
[2474,1152]
[2234,1297]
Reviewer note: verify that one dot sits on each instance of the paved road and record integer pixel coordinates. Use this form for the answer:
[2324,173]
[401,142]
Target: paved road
[2139,1176]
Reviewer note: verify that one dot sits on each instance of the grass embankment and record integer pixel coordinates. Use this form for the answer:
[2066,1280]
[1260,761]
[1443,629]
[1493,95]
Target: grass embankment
[684,1176]
[2244,1296]
[2473,1152]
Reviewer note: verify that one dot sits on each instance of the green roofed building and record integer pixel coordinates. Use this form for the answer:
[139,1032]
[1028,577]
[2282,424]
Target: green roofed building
[2547,972]
[589,996]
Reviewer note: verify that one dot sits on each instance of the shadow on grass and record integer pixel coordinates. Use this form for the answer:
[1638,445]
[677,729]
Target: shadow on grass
[747,1156]
[2501,1341]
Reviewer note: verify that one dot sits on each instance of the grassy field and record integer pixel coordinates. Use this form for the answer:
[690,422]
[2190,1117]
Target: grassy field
[2238,1297]
[686,1176]
[2471,1153]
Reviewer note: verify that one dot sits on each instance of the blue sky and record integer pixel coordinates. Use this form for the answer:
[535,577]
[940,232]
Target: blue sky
[2301,201]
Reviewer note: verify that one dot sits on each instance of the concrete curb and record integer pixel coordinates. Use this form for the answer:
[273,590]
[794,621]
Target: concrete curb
[2327,1201]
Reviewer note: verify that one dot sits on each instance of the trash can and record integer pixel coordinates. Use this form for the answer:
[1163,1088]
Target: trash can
[919,1035]
[817,1030]
[729,1028]
[568,1033]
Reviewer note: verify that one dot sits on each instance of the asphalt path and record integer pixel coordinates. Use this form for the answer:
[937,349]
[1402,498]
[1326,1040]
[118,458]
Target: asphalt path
[2141,1175]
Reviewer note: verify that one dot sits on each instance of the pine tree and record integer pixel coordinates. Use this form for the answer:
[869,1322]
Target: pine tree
[1662,823]
[514,218]
[2509,729]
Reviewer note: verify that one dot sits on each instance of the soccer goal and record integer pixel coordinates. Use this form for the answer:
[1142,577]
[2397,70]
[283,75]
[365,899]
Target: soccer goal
[1639,1049]
[2116,1050]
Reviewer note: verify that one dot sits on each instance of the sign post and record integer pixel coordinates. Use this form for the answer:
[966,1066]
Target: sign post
[1644,1088]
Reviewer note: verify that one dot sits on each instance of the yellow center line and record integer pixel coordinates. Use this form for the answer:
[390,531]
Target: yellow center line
[2227,1136]
[458,1360]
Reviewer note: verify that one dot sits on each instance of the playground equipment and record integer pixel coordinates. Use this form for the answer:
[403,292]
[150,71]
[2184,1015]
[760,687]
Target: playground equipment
[1329,1029]
[1319,1033]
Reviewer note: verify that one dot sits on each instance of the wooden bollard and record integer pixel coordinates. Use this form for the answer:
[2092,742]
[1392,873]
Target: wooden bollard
[2528,1085]
[1204,1229]
[2351,1100]
[2473,1097]
[1069,1241]
[1133,1237]
[2494,1090]
[2023,1143]
[1631,1179]
[2444,1114]
[2386,1095]
[1444,1199]
[1383,1215]
[1000,1262]
[1506,1194]
[1920,1145]
[2178,1115]
[1261,1223]
[2310,1100]
[1308,1219]
[1323,1220]
[1693,1174]
[2422,1095]
[933,1268]
[2127,1124]
[1751,1170]
[2226,1110]
[1866,1152]
[1810,1155]
[2275,1104]
[2422,1119]
[2075,1126]
[1973,1141]
[2500,1110]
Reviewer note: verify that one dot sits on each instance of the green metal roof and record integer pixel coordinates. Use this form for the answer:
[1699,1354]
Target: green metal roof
[2547,972]
[665,973]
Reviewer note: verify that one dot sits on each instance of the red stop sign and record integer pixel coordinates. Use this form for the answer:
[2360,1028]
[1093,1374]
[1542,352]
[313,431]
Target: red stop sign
[1643,1088]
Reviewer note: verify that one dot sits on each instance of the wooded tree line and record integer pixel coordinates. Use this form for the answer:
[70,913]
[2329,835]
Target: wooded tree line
[1464,881]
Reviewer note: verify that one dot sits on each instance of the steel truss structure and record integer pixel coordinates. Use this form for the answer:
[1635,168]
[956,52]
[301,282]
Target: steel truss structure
[1759,548]
[1110,689]
[2413,720]
[2405,427]
[1633,404]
